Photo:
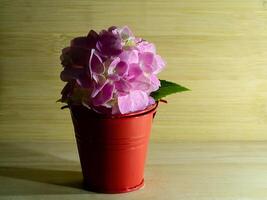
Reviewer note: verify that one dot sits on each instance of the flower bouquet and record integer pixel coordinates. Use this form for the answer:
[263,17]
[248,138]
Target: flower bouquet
[113,91]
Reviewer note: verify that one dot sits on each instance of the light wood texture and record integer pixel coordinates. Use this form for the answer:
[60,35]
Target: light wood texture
[174,171]
[216,48]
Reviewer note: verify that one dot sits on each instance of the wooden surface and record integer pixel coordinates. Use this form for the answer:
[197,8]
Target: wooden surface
[177,171]
[206,144]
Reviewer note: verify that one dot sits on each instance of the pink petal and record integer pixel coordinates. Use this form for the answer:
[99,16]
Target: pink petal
[145,46]
[155,83]
[109,43]
[99,79]
[95,63]
[98,84]
[125,104]
[112,28]
[113,77]
[136,100]
[158,64]
[146,60]
[151,101]
[117,69]
[134,71]
[140,100]
[125,32]
[97,87]
[141,82]
[113,65]
[129,56]
[70,73]
[122,85]
[121,68]
[104,95]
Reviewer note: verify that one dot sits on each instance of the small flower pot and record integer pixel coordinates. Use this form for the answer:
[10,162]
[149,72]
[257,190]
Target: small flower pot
[112,149]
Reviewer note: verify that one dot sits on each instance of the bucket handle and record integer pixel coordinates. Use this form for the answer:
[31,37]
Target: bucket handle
[155,110]
[154,114]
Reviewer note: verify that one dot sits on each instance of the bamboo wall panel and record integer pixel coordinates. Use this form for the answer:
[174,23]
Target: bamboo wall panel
[216,48]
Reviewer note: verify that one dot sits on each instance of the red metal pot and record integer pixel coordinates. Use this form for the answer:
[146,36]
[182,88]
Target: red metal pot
[112,149]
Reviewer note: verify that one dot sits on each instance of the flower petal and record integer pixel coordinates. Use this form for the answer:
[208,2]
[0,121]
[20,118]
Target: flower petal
[146,60]
[140,100]
[79,42]
[95,63]
[122,85]
[151,100]
[113,65]
[104,95]
[136,100]
[125,104]
[109,43]
[121,68]
[84,82]
[129,56]
[125,32]
[141,82]
[92,37]
[144,46]
[70,73]
[88,42]
[113,77]
[134,71]
[155,83]
[79,56]
[158,64]
[112,28]
[98,84]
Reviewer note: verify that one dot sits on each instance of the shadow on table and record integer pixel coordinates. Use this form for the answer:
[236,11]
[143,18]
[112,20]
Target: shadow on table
[58,178]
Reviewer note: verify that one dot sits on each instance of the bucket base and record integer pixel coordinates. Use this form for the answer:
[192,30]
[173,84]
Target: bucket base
[101,190]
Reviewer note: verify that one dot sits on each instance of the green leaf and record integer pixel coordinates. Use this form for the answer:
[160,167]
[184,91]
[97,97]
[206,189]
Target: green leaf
[166,89]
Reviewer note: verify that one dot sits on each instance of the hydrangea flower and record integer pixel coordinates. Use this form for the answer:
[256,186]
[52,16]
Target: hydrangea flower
[115,71]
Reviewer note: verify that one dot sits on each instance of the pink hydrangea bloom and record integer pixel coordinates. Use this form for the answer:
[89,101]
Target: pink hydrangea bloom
[118,70]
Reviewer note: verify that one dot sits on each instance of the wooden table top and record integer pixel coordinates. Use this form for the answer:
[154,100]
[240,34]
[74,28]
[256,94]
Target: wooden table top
[184,171]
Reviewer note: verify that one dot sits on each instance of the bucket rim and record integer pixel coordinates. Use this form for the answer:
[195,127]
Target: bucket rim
[149,109]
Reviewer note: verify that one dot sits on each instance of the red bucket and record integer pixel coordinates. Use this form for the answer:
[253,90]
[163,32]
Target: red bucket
[112,149]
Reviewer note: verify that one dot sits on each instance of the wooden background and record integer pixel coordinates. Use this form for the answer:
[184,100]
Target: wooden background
[218,48]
